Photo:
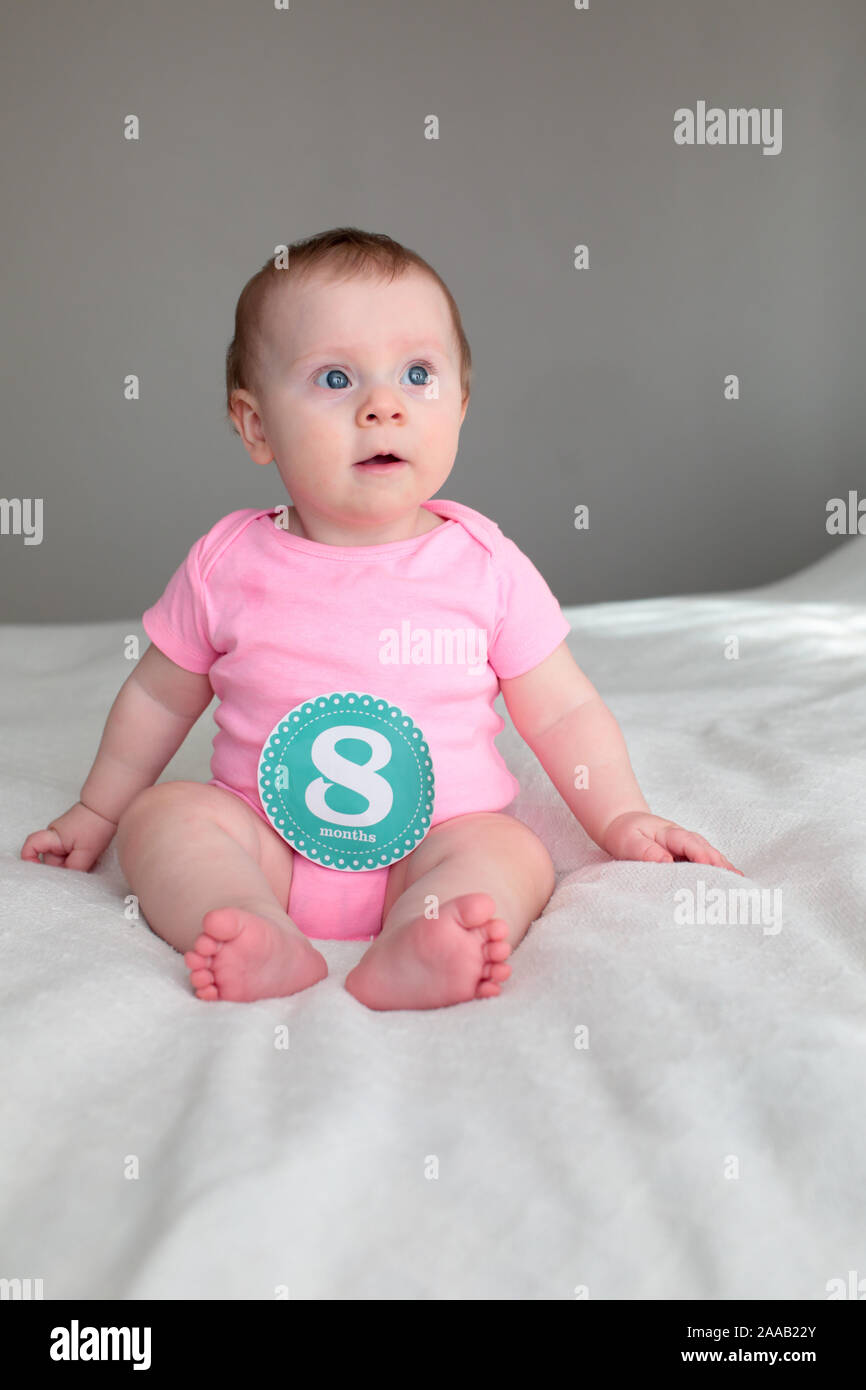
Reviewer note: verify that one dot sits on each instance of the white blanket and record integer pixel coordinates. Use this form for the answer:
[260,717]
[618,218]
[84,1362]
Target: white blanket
[649,1109]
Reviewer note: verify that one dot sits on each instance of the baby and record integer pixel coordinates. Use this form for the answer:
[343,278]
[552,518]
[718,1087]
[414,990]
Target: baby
[356,642]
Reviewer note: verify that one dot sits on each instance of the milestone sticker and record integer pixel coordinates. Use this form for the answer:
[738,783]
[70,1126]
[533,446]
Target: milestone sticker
[347,780]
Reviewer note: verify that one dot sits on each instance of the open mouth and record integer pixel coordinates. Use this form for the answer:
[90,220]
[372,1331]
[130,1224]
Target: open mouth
[379,459]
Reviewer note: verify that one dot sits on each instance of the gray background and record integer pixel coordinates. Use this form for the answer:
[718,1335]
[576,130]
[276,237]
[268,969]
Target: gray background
[602,386]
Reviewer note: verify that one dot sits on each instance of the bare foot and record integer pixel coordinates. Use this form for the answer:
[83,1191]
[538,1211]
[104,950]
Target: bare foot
[431,962]
[242,956]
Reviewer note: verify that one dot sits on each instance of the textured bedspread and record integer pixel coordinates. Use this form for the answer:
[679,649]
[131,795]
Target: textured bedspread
[665,1101]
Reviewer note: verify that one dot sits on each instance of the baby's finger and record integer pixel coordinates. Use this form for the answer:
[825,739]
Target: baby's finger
[655,854]
[679,840]
[706,853]
[720,860]
[692,845]
[41,842]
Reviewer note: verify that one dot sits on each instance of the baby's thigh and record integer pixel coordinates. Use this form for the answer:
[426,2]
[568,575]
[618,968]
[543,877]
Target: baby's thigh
[170,806]
[482,835]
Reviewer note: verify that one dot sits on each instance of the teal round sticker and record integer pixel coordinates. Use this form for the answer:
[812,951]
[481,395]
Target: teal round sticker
[347,780]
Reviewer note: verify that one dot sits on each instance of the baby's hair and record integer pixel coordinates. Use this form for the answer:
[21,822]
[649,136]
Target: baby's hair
[342,252]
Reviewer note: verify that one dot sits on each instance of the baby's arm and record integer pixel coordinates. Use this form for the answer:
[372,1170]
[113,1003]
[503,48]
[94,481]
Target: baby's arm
[561,716]
[152,715]
[154,711]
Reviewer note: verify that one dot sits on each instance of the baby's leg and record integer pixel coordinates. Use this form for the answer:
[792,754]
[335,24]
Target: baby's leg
[489,877]
[212,878]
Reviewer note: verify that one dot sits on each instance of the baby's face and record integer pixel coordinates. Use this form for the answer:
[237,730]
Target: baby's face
[358,368]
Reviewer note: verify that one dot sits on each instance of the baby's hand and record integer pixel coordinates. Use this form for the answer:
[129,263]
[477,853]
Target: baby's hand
[74,841]
[639,835]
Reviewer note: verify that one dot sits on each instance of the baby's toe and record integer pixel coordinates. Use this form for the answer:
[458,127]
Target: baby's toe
[496,930]
[491,971]
[205,945]
[494,972]
[200,978]
[209,992]
[497,950]
[195,961]
[475,909]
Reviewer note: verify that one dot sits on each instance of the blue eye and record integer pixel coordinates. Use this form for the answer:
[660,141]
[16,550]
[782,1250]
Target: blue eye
[334,371]
[331,372]
[418,367]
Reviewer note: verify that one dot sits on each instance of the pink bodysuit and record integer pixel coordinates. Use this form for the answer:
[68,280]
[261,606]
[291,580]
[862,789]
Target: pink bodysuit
[297,635]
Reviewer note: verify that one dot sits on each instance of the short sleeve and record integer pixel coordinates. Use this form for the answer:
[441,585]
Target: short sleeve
[177,623]
[530,623]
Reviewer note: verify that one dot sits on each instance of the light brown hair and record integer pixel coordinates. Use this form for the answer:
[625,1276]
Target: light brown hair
[343,252]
